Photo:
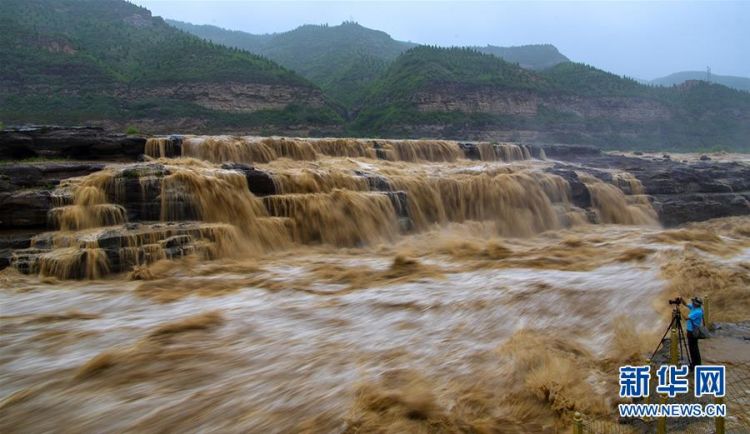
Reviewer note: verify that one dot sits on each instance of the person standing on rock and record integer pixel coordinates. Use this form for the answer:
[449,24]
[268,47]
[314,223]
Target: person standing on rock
[694,322]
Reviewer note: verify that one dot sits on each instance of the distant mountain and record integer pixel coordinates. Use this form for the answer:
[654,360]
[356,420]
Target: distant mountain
[740,83]
[540,56]
[341,59]
[462,93]
[111,62]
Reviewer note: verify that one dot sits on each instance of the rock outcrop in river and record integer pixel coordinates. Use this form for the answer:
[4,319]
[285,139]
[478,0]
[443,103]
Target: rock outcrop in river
[274,192]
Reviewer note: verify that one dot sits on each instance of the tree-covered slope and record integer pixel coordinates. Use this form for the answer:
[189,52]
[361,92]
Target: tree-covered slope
[71,61]
[230,38]
[341,59]
[539,56]
[111,63]
[462,93]
[739,83]
[344,60]
[423,66]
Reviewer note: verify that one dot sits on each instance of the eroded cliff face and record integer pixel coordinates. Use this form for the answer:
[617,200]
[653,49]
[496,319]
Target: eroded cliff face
[232,97]
[229,97]
[198,107]
[452,98]
[498,101]
[623,109]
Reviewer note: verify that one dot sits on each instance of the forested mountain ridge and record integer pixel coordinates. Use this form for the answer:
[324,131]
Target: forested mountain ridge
[459,92]
[111,62]
[341,59]
[540,56]
[739,83]
[344,59]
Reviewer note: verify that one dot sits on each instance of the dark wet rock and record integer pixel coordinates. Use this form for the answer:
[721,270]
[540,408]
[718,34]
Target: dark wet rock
[16,176]
[579,193]
[16,240]
[471,151]
[680,192]
[375,182]
[26,190]
[400,202]
[124,246]
[705,158]
[260,183]
[19,176]
[739,330]
[24,209]
[27,260]
[380,152]
[6,255]
[559,151]
[177,241]
[82,143]
[139,191]
[678,209]
[399,199]
[9,242]
[173,146]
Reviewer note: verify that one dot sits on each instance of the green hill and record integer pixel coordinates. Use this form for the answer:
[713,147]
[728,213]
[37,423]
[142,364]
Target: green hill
[462,93]
[341,59]
[109,61]
[739,83]
[345,59]
[424,66]
[540,56]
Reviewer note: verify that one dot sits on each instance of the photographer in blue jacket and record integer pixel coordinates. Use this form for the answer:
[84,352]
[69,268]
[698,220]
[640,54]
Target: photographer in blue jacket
[694,322]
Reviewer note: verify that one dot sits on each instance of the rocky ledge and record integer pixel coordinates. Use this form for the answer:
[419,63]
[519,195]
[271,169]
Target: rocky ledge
[25,190]
[680,191]
[79,143]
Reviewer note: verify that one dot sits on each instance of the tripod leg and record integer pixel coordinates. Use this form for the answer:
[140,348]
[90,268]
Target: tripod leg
[661,342]
[684,345]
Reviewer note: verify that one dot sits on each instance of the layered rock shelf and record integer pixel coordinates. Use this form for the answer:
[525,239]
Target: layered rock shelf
[680,191]
[78,143]
[126,219]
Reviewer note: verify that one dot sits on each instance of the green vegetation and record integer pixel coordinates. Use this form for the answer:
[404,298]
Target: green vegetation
[112,40]
[109,60]
[345,59]
[423,66]
[537,57]
[580,79]
[575,103]
[341,59]
[739,83]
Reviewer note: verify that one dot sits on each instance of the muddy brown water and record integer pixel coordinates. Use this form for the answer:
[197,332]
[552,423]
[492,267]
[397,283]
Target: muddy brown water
[501,310]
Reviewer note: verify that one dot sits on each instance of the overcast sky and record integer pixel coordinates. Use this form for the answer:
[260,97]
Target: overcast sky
[638,39]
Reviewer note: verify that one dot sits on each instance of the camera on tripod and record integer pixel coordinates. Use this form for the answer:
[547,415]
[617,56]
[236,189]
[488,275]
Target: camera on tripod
[676,326]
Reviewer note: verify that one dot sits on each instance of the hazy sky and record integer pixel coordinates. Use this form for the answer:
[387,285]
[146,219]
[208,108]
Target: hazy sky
[638,39]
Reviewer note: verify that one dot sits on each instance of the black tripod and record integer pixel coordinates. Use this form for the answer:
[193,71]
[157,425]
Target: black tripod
[681,339]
